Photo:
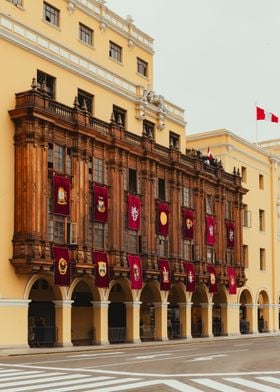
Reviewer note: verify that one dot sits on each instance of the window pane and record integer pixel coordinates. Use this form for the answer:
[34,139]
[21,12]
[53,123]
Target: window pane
[86,34]
[115,51]
[51,14]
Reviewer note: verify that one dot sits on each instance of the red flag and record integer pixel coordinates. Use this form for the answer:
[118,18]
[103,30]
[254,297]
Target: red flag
[188,224]
[134,212]
[209,154]
[61,195]
[210,230]
[100,212]
[264,115]
[101,269]
[212,279]
[135,271]
[164,275]
[163,212]
[190,276]
[231,280]
[62,266]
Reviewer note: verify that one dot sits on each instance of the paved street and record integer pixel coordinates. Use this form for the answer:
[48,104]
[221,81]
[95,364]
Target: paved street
[222,365]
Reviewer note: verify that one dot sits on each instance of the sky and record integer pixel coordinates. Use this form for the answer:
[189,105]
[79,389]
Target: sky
[216,59]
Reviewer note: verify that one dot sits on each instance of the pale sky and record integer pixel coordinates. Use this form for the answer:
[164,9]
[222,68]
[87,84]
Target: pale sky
[216,59]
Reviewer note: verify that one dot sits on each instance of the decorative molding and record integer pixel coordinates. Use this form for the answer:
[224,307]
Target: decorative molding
[71,6]
[14,303]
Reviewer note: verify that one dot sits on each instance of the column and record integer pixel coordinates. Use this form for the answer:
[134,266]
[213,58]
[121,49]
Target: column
[100,322]
[252,317]
[206,316]
[185,319]
[63,323]
[133,322]
[161,321]
[230,319]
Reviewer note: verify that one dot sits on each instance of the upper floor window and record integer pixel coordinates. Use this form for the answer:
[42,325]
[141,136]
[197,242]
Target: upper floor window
[174,140]
[59,158]
[16,2]
[187,197]
[148,129]
[261,220]
[209,205]
[245,256]
[260,181]
[243,174]
[51,14]
[163,248]
[85,100]
[132,179]
[262,259]
[142,67]
[115,52]
[229,213]
[100,171]
[47,83]
[86,34]
[161,189]
[246,216]
[120,115]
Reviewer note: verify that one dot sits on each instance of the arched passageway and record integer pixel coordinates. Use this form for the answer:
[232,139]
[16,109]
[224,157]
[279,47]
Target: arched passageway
[174,317]
[41,315]
[150,296]
[199,316]
[263,312]
[82,315]
[219,320]
[246,312]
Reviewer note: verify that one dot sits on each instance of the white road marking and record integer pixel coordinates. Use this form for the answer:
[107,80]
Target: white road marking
[94,355]
[209,358]
[151,356]
[25,376]
[273,380]
[252,384]
[216,385]
[19,373]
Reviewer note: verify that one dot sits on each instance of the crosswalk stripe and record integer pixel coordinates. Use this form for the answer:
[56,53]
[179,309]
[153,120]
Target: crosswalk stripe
[215,385]
[54,386]
[18,374]
[4,371]
[26,376]
[179,386]
[273,380]
[96,384]
[38,380]
[251,384]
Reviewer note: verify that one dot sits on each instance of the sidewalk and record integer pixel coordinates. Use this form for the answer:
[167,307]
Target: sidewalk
[5,352]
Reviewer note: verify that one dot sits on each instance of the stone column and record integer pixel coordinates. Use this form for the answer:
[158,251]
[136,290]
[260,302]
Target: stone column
[230,319]
[185,319]
[206,316]
[133,322]
[100,322]
[63,323]
[161,320]
[252,317]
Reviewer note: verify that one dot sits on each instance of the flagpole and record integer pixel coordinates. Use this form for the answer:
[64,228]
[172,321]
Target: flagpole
[256,124]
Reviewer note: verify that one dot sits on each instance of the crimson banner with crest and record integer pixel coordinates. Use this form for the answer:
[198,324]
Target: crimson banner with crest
[210,230]
[136,278]
[61,186]
[163,214]
[230,234]
[212,279]
[190,276]
[188,217]
[231,280]
[134,212]
[100,203]
[62,266]
[101,269]
[165,276]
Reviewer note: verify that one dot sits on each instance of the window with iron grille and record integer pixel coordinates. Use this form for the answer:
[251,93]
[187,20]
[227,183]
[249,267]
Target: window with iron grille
[48,81]
[187,197]
[51,14]
[86,34]
[115,52]
[142,67]
[85,99]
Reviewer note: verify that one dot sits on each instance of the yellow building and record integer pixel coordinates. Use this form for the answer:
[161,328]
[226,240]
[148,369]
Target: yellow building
[259,167]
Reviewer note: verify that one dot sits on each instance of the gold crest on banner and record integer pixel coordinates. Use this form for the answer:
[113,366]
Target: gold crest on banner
[102,268]
[62,266]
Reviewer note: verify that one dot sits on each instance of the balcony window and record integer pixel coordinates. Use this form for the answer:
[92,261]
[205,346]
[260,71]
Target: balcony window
[188,250]
[163,246]
[148,129]
[229,213]
[187,197]
[210,254]
[46,82]
[59,159]
[85,100]
[51,14]
[209,205]
[174,140]
[120,115]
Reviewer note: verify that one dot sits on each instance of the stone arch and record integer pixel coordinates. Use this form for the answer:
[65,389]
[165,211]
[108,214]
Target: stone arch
[120,294]
[60,293]
[175,315]
[219,314]
[199,319]
[262,300]
[150,297]
[245,300]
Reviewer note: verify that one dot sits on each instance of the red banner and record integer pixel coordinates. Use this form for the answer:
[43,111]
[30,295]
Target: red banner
[61,187]
[62,266]
[164,275]
[188,224]
[134,212]
[163,213]
[101,269]
[100,203]
[231,280]
[230,234]
[135,271]
[212,279]
[190,276]
[210,230]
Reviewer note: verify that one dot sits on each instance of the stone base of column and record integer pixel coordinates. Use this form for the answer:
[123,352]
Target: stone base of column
[133,341]
[101,343]
[66,344]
